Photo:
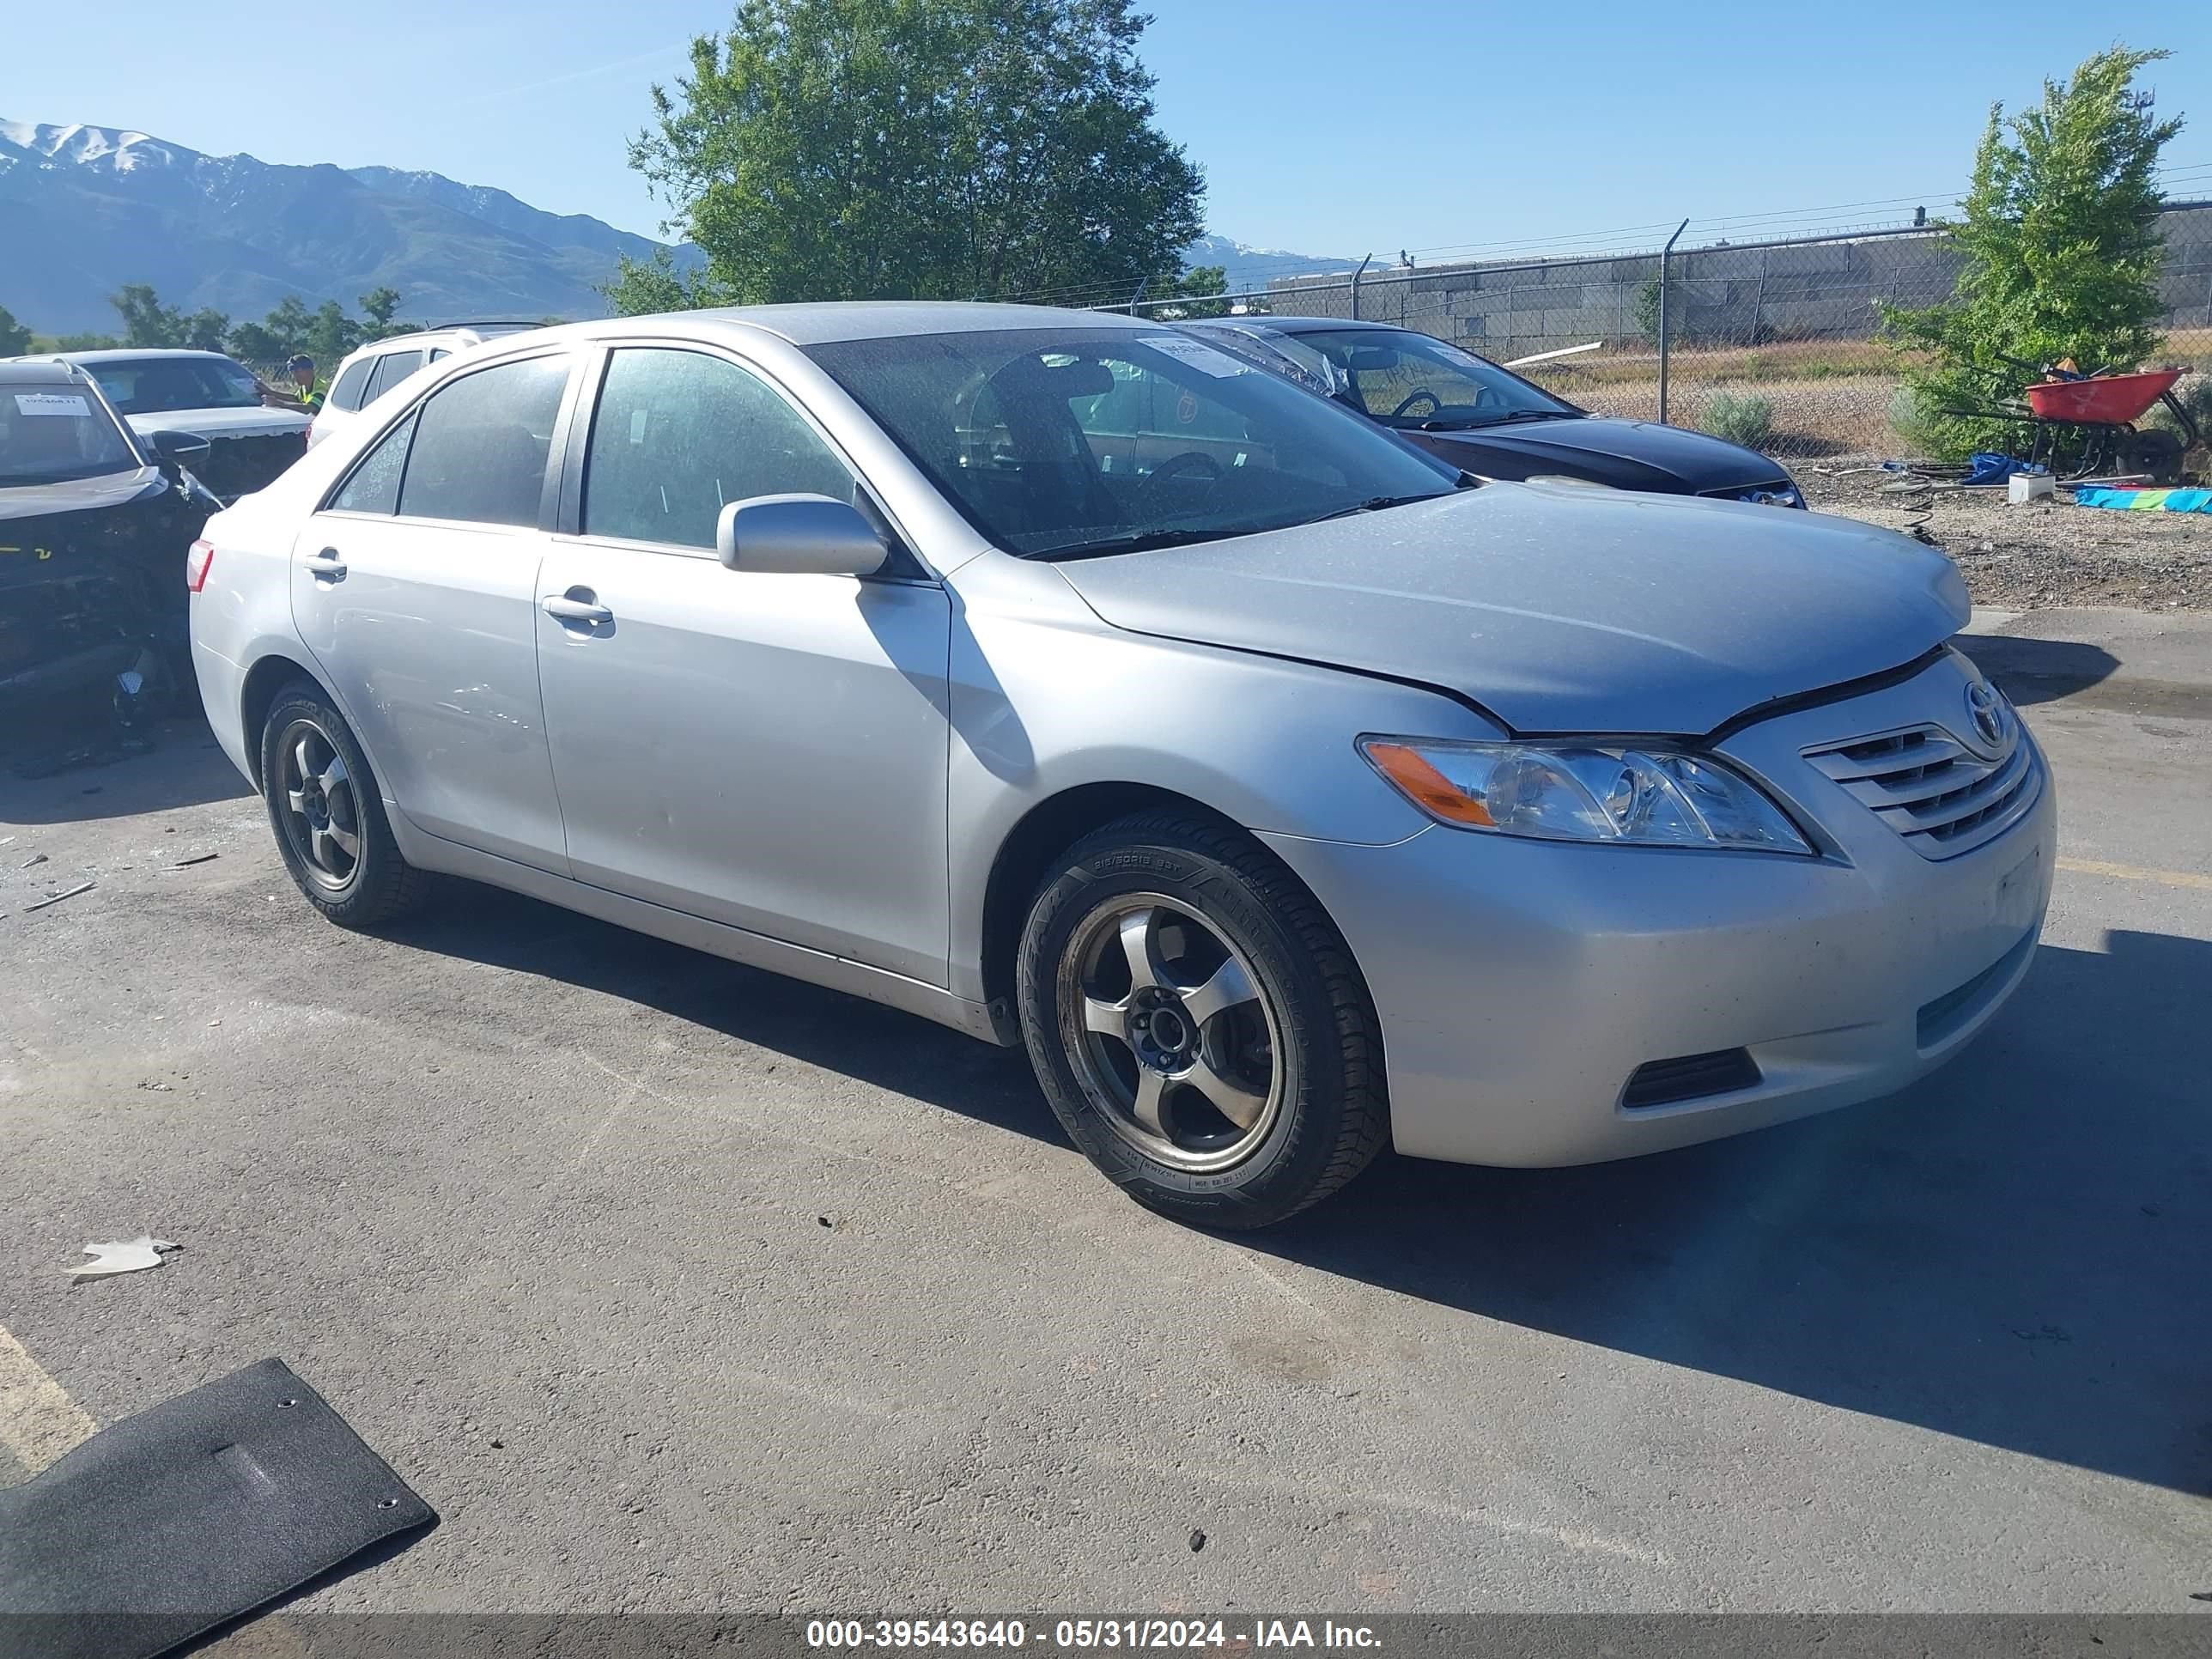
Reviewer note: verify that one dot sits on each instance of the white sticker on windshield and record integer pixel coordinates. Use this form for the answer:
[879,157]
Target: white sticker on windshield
[53,402]
[1199,356]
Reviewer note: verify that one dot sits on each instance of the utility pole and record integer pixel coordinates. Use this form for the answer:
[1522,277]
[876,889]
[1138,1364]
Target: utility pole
[1356,276]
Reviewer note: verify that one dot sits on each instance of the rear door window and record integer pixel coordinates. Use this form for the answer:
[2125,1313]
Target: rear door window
[374,485]
[391,369]
[480,444]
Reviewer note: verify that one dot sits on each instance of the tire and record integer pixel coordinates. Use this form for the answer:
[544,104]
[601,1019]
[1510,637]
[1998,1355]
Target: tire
[328,815]
[1244,1081]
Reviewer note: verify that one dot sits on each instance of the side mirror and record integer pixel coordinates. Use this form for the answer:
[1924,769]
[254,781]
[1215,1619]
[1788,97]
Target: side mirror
[797,536]
[181,448]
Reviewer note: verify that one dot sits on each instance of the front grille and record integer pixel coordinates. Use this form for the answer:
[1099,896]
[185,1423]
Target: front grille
[1690,1077]
[1941,797]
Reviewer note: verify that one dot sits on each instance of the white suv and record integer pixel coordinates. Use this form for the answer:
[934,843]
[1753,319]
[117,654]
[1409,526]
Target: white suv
[373,369]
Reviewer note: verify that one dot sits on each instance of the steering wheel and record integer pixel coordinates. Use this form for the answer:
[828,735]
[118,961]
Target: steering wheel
[1190,460]
[1413,397]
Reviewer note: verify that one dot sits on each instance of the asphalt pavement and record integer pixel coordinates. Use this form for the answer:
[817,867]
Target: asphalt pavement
[674,1285]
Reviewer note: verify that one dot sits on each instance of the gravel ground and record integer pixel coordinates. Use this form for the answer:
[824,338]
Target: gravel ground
[2044,555]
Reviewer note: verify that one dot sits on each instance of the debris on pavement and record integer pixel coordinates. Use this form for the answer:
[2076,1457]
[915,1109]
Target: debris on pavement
[1197,1541]
[197,858]
[35,858]
[126,1256]
[56,898]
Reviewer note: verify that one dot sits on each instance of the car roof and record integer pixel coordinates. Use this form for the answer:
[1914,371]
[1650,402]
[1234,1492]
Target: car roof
[133,354]
[38,371]
[824,324]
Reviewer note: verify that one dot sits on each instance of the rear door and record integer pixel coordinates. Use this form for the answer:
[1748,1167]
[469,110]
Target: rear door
[415,589]
[765,750]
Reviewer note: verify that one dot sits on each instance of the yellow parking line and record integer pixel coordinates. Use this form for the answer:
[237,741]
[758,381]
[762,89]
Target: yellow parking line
[2129,873]
[38,1421]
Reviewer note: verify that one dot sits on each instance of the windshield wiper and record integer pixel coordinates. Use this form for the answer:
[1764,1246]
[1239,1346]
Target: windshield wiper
[1141,541]
[1382,503]
[1505,419]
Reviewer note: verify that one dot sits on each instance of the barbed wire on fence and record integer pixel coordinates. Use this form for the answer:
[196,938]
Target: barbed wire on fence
[1775,341]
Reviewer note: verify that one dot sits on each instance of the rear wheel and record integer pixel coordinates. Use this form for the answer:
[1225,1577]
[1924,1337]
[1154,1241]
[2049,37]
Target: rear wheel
[1197,1024]
[330,822]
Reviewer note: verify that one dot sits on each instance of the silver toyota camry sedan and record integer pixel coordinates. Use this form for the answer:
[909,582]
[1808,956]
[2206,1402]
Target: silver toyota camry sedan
[1059,677]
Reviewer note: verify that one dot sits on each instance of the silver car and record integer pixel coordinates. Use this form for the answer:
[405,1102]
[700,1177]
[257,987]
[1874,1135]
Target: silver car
[1059,678]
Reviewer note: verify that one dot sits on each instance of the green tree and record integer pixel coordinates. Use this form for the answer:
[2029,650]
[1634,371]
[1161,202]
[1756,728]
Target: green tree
[2063,251]
[1200,284]
[146,321]
[90,340]
[204,330]
[378,309]
[836,149]
[15,338]
[641,287]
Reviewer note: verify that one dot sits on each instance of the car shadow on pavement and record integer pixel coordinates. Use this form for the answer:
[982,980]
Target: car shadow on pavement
[73,779]
[2033,671]
[845,1034]
[2014,1251]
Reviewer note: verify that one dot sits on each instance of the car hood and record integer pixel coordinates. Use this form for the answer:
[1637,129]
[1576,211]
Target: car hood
[1557,608]
[79,495]
[1627,454]
[222,423]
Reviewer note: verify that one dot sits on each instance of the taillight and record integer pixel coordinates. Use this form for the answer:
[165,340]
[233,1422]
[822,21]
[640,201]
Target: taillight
[198,564]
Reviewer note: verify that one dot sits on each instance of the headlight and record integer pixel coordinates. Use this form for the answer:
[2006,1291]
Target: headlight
[1785,494]
[1642,795]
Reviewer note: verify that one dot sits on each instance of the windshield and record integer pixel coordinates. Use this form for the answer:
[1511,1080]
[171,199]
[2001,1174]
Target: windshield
[1059,442]
[151,385]
[52,433]
[1407,379]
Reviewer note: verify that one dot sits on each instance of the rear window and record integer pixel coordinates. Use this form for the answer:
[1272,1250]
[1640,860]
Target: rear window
[51,433]
[347,393]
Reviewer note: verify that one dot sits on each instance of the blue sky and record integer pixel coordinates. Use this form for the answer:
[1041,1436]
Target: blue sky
[1327,128]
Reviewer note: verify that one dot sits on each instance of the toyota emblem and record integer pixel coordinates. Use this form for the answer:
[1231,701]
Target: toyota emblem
[1985,708]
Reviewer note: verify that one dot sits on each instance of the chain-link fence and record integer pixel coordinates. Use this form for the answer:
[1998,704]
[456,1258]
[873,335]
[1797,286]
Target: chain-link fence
[1775,343]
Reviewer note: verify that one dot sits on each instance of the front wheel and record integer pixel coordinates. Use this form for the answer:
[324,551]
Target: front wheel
[1197,1023]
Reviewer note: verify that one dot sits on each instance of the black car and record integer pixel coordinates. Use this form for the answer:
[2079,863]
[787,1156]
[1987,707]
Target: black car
[1488,421]
[96,524]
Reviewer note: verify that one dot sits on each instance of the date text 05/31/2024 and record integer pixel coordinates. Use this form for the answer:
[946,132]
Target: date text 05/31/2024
[1088,1635]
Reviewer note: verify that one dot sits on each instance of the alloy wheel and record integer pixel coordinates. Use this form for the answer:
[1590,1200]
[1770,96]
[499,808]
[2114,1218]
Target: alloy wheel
[320,811]
[1176,1036]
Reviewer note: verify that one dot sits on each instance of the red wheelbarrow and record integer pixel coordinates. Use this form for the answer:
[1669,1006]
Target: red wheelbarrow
[2082,426]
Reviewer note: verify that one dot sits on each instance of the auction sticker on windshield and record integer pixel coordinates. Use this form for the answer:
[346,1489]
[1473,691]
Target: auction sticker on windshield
[53,402]
[1205,358]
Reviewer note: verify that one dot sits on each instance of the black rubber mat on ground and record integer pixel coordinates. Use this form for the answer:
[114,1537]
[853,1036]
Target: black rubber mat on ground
[169,1524]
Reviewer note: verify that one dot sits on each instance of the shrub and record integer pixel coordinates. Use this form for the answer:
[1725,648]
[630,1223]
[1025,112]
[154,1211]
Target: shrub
[1747,419]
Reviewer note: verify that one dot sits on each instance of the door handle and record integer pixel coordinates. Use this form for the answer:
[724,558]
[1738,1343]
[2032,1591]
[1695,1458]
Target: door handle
[326,566]
[578,604]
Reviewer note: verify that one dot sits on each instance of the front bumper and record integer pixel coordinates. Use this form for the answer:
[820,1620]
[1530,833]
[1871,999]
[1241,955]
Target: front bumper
[1520,983]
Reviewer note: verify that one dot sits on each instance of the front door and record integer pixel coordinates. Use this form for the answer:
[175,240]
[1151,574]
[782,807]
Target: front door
[416,591]
[764,751]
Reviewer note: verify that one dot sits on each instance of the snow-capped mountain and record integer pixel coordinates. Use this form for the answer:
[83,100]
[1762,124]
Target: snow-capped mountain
[1247,267]
[84,209]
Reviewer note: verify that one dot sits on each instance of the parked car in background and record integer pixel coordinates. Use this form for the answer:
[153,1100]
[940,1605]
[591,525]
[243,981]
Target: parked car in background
[1068,680]
[209,396]
[95,525]
[1469,411]
[373,369]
